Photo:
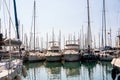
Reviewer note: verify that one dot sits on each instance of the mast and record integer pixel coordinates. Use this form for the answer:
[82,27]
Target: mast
[41,43]
[109,38]
[46,40]
[9,36]
[53,37]
[79,39]
[74,38]
[65,43]
[99,39]
[60,38]
[104,21]
[118,42]
[83,40]
[16,19]
[102,41]
[34,32]
[26,41]
[69,38]
[89,37]
[0,25]
[94,42]
[22,33]
[34,21]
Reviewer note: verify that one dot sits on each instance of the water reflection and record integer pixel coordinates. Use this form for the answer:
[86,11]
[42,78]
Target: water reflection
[34,70]
[69,71]
[53,70]
[88,67]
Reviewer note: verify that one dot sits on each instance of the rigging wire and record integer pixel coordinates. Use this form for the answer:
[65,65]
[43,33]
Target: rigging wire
[0,4]
[9,15]
[4,17]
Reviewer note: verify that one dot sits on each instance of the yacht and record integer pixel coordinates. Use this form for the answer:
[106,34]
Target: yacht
[53,52]
[71,51]
[107,55]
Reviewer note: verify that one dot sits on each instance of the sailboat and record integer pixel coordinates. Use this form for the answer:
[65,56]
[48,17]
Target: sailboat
[10,68]
[88,55]
[107,54]
[35,55]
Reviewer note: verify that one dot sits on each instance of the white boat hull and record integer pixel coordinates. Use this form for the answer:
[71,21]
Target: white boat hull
[116,62]
[15,69]
[36,57]
[71,57]
[116,68]
[53,57]
[106,57]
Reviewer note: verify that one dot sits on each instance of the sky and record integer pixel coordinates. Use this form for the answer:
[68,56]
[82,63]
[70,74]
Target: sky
[69,16]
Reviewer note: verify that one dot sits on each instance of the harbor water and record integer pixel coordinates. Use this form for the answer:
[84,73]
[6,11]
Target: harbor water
[68,71]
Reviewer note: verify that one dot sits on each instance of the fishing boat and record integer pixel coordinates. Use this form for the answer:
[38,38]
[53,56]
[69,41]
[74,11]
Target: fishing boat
[53,52]
[88,55]
[71,51]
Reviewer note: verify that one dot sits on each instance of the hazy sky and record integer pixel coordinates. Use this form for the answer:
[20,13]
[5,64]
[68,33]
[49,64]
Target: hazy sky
[66,15]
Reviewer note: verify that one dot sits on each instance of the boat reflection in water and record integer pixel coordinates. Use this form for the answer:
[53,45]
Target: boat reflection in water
[34,70]
[53,70]
[96,71]
[87,70]
[68,71]
[72,70]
